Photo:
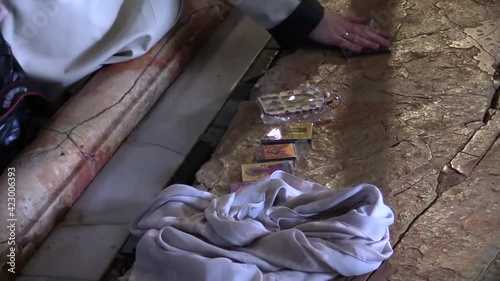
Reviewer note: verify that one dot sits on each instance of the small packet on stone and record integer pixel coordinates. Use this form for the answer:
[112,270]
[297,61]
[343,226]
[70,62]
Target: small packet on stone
[288,133]
[304,105]
[275,152]
[255,172]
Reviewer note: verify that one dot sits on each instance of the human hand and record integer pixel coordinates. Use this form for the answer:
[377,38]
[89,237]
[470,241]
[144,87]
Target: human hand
[347,32]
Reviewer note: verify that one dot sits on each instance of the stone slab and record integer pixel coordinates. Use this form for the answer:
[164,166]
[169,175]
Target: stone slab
[77,252]
[403,119]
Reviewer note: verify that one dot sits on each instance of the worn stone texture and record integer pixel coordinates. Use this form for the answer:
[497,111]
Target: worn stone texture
[59,165]
[420,124]
[458,237]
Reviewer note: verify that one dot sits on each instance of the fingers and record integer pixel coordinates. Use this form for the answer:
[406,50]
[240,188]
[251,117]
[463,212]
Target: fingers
[362,21]
[382,33]
[370,38]
[348,32]
[343,43]
[374,37]
[363,42]
[356,20]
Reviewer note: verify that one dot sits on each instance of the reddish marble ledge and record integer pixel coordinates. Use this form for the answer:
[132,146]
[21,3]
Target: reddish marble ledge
[55,193]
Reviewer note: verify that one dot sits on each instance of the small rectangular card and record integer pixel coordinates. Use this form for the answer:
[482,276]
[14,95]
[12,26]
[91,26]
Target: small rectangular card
[275,152]
[255,172]
[288,133]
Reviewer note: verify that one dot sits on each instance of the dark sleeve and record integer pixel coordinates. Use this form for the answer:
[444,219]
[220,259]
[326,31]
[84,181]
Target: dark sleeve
[294,30]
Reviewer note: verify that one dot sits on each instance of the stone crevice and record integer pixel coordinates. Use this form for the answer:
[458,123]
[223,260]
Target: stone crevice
[423,35]
[448,16]
[380,151]
[492,267]
[415,219]
[330,73]
[495,99]
[438,192]
[483,153]
[403,233]
[43,152]
[221,177]
[424,177]
[404,16]
[489,33]
[482,4]
[157,145]
[470,154]
[85,154]
[479,46]
[405,96]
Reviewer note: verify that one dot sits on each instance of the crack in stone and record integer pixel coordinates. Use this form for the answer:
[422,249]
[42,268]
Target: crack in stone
[489,33]
[368,78]
[494,100]
[439,191]
[158,145]
[330,73]
[224,173]
[40,153]
[376,152]
[424,34]
[402,20]
[486,152]
[405,96]
[470,154]
[424,177]
[415,219]
[402,235]
[485,270]
[480,46]
[447,16]
[85,154]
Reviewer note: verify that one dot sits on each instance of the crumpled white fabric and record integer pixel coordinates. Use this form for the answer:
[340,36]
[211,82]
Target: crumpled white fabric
[280,228]
[63,41]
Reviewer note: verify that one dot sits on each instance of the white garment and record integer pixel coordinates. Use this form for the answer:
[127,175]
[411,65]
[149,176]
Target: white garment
[62,41]
[65,40]
[280,228]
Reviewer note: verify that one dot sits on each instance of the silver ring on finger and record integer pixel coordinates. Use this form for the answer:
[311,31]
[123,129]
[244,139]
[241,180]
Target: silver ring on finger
[346,35]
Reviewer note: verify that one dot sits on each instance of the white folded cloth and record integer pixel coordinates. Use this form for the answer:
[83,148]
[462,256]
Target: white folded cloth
[280,228]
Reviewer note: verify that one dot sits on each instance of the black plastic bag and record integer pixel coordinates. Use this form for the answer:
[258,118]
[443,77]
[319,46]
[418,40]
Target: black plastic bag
[24,108]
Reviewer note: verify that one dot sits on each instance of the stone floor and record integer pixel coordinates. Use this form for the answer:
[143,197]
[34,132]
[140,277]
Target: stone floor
[422,124]
[83,245]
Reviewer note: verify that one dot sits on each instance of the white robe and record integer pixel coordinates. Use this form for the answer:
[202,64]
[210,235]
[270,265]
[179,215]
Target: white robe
[64,40]
[280,228]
